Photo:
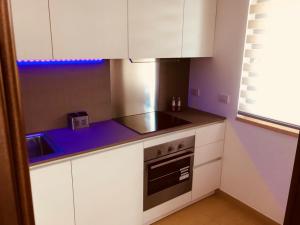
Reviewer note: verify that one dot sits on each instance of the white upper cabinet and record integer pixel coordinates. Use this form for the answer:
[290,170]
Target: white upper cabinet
[155,28]
[113,29]
[52,194]
[89,28]
[199,28]
[32,29]
[108,187]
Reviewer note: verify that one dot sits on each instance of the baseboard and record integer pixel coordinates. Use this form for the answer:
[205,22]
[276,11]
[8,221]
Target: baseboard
[225,195]
[177,209]
[241,204]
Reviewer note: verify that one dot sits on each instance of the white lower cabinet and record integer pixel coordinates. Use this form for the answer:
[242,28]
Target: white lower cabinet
[166,208]
[210,134]
[108,187]
[206,179]
[208,153]
[52,194]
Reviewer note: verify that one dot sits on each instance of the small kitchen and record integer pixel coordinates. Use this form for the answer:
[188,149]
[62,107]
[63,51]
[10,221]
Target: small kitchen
[136,111]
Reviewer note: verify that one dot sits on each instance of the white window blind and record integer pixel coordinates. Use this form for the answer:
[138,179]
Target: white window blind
[270,82]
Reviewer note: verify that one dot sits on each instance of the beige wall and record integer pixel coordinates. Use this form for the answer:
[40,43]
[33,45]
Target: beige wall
[50,92]
[257,162]
[173,81]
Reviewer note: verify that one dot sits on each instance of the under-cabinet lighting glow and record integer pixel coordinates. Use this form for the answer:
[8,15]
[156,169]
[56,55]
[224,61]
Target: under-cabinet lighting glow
[58,61]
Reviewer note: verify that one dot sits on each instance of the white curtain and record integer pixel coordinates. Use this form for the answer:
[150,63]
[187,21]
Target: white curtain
[270,84]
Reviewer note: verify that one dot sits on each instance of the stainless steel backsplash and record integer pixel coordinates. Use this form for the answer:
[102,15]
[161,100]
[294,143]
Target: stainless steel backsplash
[134,87]
[147,85]
[49,93]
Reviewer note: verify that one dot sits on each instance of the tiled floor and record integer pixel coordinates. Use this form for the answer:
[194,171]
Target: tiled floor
[218,209]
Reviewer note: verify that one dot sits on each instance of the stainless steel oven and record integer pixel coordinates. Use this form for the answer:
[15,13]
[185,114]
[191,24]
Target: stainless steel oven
[168,171]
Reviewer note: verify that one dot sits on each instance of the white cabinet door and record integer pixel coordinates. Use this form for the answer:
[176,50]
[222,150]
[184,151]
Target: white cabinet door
[152,215]
[89,28]
[199,28]
[53,194]
[32,29]
[209,134]
[206,179]
[155,28]
[208,153]
[108,187]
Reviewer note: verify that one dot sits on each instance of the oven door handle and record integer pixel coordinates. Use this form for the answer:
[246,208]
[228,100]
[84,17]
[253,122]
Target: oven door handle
[171,161]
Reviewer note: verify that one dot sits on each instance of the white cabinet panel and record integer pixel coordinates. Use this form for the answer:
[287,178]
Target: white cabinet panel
[89,28]
[52,194]
[152,215]
[210,134]
[208,153]
[32,29]
[168,137]
[199,28]
[108,187]
[155,28]
[206,179]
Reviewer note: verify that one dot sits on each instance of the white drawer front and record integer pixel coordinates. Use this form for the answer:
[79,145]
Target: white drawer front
[152,215]
[206,179]
[208,153]
[169,137]
[210,134]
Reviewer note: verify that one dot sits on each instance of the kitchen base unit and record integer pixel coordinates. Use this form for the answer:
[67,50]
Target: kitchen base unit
[108,187]
[207,178]
[52,194]
[154,214]
[206,167]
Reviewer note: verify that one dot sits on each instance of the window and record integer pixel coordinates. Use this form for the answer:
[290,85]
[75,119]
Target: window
[270,83]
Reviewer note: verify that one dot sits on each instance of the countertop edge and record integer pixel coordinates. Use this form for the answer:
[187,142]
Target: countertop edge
[126,142]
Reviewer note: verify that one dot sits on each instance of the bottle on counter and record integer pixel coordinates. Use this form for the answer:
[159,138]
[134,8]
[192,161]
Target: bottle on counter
[173,104]
[179,104]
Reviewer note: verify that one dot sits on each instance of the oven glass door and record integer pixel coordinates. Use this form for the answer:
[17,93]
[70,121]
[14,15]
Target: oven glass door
[167,177]
[168,172]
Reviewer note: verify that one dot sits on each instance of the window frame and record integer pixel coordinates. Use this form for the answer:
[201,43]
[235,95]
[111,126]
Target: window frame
[252,118]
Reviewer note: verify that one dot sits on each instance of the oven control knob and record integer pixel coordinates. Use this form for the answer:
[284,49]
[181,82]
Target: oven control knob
[159,152]
[180,146]
[170,149]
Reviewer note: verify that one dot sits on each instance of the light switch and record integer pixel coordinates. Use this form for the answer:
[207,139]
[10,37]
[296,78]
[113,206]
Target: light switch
[224,98]
[196,92]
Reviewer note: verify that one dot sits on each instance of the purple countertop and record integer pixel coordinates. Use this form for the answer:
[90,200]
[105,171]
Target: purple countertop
[67,142]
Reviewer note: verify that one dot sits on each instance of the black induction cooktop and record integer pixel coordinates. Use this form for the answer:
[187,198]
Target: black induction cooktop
[150,122]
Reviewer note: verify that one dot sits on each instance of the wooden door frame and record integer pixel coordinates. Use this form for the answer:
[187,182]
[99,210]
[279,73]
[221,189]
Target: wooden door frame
[292,216]
[15,191]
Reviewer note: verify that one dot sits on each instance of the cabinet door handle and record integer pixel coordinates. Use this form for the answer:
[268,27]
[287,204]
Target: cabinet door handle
[171,161]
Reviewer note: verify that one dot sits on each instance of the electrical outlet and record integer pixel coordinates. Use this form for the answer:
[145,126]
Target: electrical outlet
[224,98]
[196,92]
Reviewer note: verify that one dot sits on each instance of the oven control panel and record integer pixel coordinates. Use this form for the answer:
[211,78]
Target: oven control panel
[169,148]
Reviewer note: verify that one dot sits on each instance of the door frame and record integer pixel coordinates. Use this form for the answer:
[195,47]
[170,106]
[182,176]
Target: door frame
[292,216]
[15,195]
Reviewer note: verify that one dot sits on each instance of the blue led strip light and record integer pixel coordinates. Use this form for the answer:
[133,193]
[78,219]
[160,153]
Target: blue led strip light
[59,61]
